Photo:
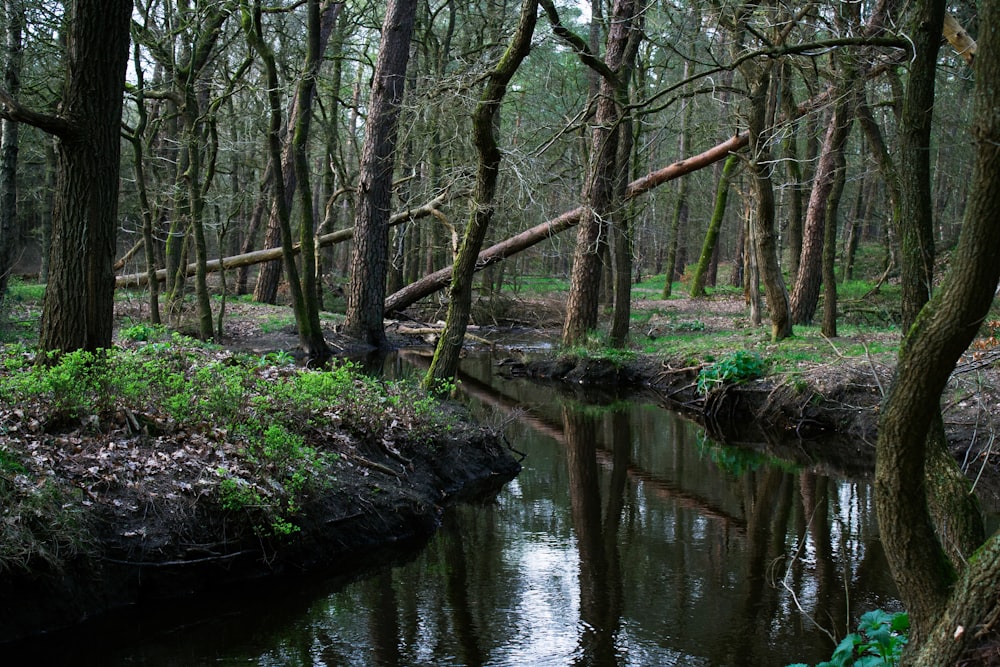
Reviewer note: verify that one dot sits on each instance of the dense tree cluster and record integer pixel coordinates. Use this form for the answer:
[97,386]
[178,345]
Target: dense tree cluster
[426,129]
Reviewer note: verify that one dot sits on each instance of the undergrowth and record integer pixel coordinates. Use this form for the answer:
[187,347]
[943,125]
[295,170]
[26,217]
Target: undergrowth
[271,422]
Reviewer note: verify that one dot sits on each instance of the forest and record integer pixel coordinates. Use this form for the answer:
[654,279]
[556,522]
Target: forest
[359,156]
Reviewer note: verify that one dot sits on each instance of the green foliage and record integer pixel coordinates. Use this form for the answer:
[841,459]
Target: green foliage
[274,421]
[736,367]
[144,332]
[20,291]
[879,642]
[737,461]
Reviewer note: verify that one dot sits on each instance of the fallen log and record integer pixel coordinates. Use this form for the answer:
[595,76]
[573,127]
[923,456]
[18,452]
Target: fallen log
[433,282]
[268,254]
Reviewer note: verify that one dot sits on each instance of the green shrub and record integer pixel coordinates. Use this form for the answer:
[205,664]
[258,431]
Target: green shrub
[734,368]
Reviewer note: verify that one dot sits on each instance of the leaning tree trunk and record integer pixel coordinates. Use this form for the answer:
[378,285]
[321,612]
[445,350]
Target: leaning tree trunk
[945,619]
[366,292]
[708,248]
[805,295]
[485,123]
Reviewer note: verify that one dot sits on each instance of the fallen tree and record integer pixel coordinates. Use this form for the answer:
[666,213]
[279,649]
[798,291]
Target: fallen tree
[439,279]
[269,254]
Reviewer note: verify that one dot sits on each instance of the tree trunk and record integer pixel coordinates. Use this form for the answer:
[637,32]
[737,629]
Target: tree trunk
[944,621]
[678,223]
[765,243]
[793,234]
[805,295]
[319,27]
[14,13]
[599,202]
[139,142]
[78,310]
[830,247]
[916,226]
[371,248]
[485,124]
[708,249]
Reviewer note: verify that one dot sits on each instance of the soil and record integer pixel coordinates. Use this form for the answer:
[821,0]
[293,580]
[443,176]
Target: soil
[156,538]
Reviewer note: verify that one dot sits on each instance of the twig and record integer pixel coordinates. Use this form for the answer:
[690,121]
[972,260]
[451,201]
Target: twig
[868,357]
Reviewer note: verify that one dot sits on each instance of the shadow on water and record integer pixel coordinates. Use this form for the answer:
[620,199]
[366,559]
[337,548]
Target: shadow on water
[628,539]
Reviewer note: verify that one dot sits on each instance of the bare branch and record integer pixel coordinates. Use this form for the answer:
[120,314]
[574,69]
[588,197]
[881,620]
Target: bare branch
[15,111]
[579,45]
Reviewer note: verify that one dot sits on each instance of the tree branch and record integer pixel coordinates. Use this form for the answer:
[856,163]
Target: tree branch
[15,111]
[577,43]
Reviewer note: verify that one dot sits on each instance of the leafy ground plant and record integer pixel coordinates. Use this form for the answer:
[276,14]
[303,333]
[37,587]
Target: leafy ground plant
[738,366]
[879,641]
[164,419]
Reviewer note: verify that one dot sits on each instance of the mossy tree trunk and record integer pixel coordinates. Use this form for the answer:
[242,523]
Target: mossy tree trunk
[319,26]
[947,609]
[708,248]
[485,124]
[306,313]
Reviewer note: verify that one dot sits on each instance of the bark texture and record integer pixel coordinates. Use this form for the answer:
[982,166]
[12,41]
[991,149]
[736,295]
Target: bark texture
[371,249]
[944,620]
[79,301]
[599,200]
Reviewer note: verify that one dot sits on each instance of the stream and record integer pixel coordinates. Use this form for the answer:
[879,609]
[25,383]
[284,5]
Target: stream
[628,539]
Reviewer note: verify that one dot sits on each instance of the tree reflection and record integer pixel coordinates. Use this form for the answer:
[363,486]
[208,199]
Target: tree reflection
[597,540]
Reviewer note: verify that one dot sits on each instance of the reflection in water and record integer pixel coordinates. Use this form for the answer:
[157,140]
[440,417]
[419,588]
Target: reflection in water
[625,541]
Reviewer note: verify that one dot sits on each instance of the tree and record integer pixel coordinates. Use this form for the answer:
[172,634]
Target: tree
[599,200]
[485,121]
[78,309]
[366,292]
[712,235]
[305,299]
[948,606]
[14,14]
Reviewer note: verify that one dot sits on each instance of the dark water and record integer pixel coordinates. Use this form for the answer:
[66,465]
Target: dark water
[626,540]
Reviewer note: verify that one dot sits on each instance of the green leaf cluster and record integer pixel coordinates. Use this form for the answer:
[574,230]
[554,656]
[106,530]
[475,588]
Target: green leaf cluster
[879,642]
[736,367]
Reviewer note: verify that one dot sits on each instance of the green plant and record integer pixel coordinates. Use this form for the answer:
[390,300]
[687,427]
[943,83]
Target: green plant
[736,367]
[144,332]
[879,641]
